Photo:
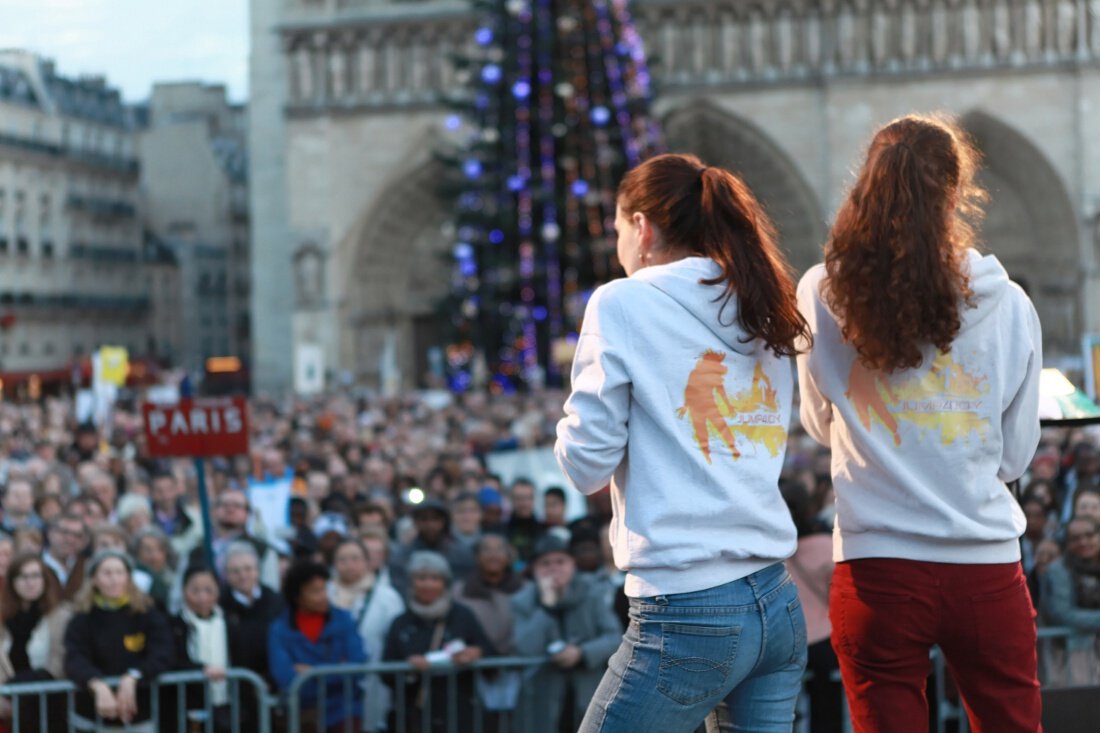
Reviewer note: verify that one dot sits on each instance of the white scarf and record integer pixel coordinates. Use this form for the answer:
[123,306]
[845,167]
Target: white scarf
[207,645]
[351,597]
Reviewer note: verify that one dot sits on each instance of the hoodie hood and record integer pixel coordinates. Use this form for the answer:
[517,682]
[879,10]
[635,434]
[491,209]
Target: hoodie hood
[990,282]
[681,281]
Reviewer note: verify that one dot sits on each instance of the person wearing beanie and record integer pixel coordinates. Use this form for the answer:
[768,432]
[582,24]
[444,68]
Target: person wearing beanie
[432,520]
[116,631]
[566,616]
[435,630]
[492,510]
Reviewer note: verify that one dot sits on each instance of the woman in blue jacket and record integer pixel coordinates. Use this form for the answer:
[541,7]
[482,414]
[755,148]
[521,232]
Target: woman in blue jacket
[311,633]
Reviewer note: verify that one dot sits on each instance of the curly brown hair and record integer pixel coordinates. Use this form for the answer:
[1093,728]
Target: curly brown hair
[896,257]
[705,209]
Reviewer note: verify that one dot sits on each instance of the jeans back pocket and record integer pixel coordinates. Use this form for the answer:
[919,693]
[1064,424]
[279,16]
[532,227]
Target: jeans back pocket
[695,660]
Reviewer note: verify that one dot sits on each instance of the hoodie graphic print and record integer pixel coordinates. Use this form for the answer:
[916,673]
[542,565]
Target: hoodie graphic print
[686,418]
[947,399]
[752,414]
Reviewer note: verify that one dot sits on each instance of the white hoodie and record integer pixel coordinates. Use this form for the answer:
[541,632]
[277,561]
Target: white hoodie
[920,456]
[689,424]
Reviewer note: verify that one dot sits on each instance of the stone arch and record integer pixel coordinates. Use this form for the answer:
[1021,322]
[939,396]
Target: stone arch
[1031,226]
[721,138]
[397,271]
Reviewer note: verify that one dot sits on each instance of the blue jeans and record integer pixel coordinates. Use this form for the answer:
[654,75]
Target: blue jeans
[742,643]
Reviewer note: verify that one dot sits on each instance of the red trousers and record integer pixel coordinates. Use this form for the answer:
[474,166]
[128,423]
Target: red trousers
[888,613]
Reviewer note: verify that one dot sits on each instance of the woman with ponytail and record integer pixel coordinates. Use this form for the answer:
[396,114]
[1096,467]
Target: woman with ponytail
[682,385]
[924,380]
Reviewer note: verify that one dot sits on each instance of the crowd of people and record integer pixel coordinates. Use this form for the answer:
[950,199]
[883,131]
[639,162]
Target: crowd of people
[103,571]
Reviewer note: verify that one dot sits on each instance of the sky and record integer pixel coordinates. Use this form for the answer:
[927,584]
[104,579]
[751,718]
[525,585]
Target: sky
[134,43]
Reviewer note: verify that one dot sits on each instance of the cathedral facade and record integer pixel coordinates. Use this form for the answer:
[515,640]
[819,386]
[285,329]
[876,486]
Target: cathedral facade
[350,241]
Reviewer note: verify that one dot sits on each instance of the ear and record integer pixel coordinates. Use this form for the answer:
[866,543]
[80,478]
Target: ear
[645,231]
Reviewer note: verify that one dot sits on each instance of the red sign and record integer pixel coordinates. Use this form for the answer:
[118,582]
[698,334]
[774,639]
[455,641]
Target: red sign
[201,427]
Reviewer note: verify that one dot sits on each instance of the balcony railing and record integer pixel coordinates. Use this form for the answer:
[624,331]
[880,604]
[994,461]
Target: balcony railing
[101,207]
[103,254]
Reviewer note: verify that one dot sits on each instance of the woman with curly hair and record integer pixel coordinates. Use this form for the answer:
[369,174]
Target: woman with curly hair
[923,379]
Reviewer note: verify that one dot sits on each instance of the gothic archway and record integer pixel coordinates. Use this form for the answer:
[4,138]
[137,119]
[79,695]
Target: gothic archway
[398,270]
[720,138]
[1032,227]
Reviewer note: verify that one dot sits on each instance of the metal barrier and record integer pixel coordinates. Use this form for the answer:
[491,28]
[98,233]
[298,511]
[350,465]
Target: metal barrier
[400,671]
[346,677]
[72,721]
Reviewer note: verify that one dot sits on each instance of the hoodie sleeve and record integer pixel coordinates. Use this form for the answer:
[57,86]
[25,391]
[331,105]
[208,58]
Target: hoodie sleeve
[1020,420]
[815,409]
[592,435]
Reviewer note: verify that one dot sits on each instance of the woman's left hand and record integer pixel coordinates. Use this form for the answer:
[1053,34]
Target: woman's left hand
[568,657]
[468,655]
[217,674]
[127,699]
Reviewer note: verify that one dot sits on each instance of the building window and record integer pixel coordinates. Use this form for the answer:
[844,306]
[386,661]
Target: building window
[24,348]
[47,348]
[45,225]
[3,220]
[22,243]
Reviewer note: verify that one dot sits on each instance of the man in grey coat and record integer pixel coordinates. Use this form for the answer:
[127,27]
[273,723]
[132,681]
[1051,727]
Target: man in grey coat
[566,617]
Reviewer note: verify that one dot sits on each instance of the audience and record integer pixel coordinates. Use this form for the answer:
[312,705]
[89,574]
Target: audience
[374,606]
[435,629]
[312,633]
[72,491]
[115,631]
[564,616]
[201,642]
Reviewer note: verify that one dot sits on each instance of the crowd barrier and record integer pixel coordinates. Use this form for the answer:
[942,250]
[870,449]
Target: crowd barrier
[260,712]
[171,688]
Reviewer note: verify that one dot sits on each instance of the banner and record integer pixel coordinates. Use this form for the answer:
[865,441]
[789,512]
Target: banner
[309,369]
[540,466]
[197,428]
[270,500]
[114,365]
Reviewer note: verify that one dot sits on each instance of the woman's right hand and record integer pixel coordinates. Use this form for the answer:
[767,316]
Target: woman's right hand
[419,662]
[106,706]
[217,674]
[126,699]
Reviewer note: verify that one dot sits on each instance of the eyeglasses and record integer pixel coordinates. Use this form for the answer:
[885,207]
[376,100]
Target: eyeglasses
[29,576]
[1081,536]
[232,505]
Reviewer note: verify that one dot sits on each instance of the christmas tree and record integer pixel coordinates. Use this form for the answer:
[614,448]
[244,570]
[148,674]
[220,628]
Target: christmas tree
[554,111]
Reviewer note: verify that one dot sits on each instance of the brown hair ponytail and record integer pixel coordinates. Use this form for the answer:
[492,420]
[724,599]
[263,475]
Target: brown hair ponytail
[895,259]
[703,209]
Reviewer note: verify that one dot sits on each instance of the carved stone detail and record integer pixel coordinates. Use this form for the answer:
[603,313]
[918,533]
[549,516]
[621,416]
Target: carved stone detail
[406,60]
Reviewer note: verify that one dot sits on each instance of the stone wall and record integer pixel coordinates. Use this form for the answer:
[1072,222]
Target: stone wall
[786,92]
